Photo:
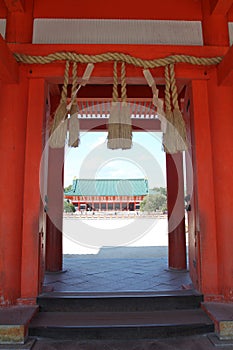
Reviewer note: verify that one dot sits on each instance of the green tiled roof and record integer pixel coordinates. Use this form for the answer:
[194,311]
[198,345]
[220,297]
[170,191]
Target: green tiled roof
[108,187]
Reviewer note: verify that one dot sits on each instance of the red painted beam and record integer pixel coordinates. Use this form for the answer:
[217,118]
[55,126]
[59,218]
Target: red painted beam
[15,5]
[54,72]
[159,10]
[220,7]
[102,93]
[8,66]
[225,69]
[142,51]
[101,124]
[102,73]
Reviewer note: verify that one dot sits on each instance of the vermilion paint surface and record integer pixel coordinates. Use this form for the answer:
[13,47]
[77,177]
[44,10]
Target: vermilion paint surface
[23,103]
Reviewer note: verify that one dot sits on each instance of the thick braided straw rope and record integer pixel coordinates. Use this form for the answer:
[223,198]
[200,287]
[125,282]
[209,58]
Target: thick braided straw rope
[61,111]
[174,139]
[115,83]
[116,56]
[126,125]
[73,120]
[59,127]
[114,117]
[179,124]
[119,123]
[169,136]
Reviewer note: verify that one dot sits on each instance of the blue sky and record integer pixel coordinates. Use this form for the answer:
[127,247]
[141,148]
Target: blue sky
[92,159]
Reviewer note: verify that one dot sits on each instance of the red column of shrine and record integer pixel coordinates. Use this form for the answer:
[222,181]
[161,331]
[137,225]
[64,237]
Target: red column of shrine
[216,33]
[215,26]
[221,125]
[175,205]
[55,210]
[33,225]
[20,22]
[203,256]
[55,195]
[14,104]
[13,112]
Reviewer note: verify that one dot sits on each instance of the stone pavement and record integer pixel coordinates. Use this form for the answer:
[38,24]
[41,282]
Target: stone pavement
[201,342]
[118,269]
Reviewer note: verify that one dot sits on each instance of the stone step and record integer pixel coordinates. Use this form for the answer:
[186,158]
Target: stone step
[222,316]
[120,325]
[119,302]
[14,322]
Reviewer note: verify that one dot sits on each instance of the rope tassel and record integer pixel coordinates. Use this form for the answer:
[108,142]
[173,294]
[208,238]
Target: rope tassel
[58,133]
[114,126]
[58,137]
[119,124]
[73,131]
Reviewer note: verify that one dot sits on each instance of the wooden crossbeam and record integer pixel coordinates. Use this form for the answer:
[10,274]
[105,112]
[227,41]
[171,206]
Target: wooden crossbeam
[101,124]
[220,7]
[54,72]
[8,66]
[225,69]
[142,51]
[15,5]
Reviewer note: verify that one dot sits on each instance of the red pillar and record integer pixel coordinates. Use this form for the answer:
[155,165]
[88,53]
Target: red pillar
[203,257]
[221,126]
[33,223]
[175,205]
[215,27]
[13,112]
[20,24]
[55,210]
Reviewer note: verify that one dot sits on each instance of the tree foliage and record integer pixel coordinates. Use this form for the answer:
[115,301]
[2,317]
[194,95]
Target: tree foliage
[68,188]
[69,207]
[161,190]
[157,201]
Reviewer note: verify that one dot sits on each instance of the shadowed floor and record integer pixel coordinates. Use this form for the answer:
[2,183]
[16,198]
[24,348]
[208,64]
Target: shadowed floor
[118,269]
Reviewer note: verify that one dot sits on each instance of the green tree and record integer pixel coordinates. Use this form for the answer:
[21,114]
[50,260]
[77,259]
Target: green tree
[160,190]
[153,202]
[68,188]
[69,207]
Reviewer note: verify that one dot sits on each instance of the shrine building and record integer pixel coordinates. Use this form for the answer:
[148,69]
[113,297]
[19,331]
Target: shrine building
[107,194]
